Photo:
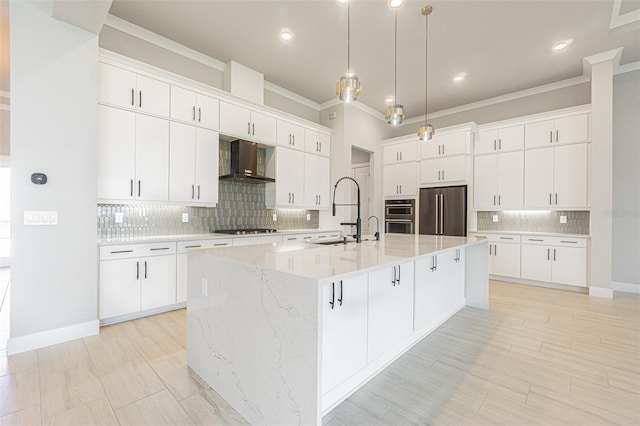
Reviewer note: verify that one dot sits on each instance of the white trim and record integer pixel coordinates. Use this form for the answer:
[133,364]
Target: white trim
[5,107]
[540,116]
[607,293]
[626,287]
[330,103]
[631,66]
[618,20]
[366,108]
[165,43]
[52,337]
[609,55]
[5,94]
[274,88]
[5,161]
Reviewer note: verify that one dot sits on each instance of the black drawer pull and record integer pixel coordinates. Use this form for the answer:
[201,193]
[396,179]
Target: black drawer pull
[534,239]
[121,251]
[506,238]
[220,244]
[191,246]
[569,242]
[160,248]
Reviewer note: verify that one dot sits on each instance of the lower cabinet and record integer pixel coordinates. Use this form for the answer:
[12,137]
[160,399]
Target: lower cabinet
[390,308]
[504,259]
[439,287]
[136,277]
[344,330]
[555,259]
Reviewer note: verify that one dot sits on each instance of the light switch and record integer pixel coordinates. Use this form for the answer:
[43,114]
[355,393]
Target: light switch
[308,216]
[275,217]
[495,217]
[563,219]
[185,217]
[40,217]
[119,217]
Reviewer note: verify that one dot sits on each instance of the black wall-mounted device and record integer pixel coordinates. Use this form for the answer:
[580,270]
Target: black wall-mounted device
[39,178]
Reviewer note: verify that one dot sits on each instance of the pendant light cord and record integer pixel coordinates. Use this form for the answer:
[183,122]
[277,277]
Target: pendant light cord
[426,54]
[395,61]
[348,37]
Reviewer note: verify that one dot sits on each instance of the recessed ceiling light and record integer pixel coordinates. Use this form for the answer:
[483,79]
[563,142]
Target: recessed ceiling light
[395,3]
[561,45]
[286,35]
[389,100]
[459,76]
[343,1]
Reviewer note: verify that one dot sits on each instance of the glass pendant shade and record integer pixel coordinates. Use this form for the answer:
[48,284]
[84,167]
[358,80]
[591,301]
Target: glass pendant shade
[395,114]
[426,132]
[348,88]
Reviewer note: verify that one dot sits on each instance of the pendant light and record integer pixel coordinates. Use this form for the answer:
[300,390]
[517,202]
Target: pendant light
[426,131]
[348,88]
[395,112]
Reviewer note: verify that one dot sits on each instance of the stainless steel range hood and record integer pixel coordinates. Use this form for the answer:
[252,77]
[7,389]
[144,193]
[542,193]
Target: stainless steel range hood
[244,163]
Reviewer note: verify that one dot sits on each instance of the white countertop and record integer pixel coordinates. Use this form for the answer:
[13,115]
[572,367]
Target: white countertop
[540,234]
[194,237]
[326,261]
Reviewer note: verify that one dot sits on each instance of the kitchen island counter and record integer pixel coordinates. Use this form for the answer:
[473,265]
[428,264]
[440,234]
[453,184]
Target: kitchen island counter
[286,331]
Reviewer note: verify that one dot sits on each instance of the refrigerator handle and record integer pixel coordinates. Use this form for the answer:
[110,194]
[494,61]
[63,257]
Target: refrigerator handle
[437,200]
[441,214]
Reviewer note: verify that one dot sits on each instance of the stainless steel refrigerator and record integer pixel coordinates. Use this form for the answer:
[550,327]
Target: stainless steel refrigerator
[443,211]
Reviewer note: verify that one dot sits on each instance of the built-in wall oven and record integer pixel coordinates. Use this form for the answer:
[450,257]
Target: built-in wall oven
[399,216]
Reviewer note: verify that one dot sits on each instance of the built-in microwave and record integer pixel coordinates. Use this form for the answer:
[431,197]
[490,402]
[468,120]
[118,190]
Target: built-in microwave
[399,216]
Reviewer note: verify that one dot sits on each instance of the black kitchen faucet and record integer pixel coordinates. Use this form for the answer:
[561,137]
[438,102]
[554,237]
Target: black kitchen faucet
[358,222]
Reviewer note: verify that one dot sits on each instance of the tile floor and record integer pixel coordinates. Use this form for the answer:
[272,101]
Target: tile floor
[538,356]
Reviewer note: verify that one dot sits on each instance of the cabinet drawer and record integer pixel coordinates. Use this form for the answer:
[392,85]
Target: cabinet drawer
[497,238]
[183,246]
[136,250]
[327,235]
[554,241]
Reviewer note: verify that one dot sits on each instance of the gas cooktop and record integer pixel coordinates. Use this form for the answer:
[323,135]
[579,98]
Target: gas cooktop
[246,231]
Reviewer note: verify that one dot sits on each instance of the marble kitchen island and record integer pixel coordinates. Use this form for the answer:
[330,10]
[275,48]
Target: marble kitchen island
[285,332]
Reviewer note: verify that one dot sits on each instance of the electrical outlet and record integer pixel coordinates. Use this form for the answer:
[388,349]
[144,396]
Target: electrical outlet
[495,217]
[205,287]
[275,217]
[563,219]
[119,217]
[308,216]
[40,217]
[185,217]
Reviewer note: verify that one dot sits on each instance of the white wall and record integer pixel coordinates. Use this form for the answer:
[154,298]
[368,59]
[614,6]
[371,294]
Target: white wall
[53,130]
[626,179]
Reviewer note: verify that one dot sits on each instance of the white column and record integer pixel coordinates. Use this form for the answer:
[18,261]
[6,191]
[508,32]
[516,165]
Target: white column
[601,170]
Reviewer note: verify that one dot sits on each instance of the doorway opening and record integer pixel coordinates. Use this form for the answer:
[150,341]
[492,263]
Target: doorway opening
[361,172]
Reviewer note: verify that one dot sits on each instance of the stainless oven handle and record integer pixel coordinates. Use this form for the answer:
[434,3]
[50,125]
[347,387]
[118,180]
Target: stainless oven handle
[398,205]
[441,214]
[437,209]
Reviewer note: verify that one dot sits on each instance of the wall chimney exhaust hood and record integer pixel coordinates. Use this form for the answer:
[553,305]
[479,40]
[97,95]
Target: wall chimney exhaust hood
[244,163]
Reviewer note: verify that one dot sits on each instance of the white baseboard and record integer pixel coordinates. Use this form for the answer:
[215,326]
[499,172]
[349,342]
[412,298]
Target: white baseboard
[626,287]
[601,292]
[52,337]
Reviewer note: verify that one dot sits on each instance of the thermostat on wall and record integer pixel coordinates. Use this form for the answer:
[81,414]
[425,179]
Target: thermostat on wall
[39,178]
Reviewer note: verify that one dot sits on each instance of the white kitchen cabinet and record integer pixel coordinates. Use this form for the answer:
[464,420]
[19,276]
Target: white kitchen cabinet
[193,165]
[444,144]
[126,89]
[499,181]
[560,260]
[400,179]
[290,135]
[556,177]
[136,277]
[439,287]
[390,317]
[316,181]
[257,239]
[194,108]
[502,139]
[133,156]
[181,261]
[344,330]
[247,124]
[288,189]
[504,259]
[317,142]
[401,152]
[440,170]
[563,130]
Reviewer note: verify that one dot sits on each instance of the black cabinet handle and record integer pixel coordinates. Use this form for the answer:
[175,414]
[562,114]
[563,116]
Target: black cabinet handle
[191,246]
[341,293]
[193,191]
[131,187]
[194,113]
[121,251]
[137,270]
[140,99]
[198,192]
[220,244]
[160,248]
[333,295]
[393,279]
[569,242]
[554,255]
[145,269]
[398,280]
[139,184]
[132,100]
[548,254]
[199,115]
[490,250]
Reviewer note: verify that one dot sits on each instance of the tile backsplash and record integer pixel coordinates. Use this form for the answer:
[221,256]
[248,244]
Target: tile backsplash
[535,221]
[240,205]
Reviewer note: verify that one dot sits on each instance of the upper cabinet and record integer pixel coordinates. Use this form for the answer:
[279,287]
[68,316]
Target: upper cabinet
[316,142]
[194,108]
[444,145]
[562,130]
[401,152]
[290,135]
[126,89]
[244,123]
[500,140]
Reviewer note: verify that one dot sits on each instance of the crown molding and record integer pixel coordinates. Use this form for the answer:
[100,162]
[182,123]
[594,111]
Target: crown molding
[618,20]
[631,66]
[153,38]
[5,94]
[274,88]
[366,108]
[5,107]
[331,103]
